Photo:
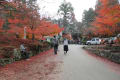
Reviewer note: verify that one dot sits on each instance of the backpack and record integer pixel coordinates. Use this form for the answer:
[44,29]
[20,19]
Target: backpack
[55,42]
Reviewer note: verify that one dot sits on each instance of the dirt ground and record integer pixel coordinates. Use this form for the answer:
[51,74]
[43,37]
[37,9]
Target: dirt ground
[40,67]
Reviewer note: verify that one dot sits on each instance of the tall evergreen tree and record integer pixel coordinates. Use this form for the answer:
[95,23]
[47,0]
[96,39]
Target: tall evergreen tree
[66,12]
[88,17]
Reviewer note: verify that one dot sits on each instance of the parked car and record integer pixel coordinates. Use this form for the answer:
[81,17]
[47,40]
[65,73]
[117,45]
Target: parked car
[104,40]
[112,40]
[117,40]
[94,41]
[118,35]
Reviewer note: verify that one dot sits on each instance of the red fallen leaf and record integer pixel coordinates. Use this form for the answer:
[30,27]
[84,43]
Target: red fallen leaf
[33,66]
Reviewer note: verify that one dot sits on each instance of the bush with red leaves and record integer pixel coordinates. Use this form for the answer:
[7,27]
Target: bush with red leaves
[8,43]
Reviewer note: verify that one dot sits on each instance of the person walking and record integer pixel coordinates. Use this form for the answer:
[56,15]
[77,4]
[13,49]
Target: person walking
[65,46]
[55,45]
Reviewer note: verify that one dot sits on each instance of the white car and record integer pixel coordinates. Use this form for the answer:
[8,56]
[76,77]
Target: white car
[94,41]
[111,40]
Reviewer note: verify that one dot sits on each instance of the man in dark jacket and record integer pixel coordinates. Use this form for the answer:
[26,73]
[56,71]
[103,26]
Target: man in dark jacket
[55,45]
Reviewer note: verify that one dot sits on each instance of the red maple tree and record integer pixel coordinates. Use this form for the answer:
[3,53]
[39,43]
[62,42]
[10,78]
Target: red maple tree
[108,19]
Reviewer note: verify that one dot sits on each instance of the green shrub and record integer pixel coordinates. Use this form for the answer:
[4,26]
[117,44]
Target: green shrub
[7,51]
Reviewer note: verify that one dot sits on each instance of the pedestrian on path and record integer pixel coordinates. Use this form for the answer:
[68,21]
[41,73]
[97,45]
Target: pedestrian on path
[23,51]
[55,45]
[65,46]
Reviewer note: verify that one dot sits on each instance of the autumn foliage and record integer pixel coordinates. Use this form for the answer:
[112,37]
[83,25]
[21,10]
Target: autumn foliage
[1,24]
[18,16]
[67,35]
[107,22]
